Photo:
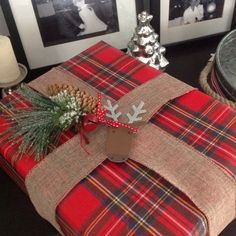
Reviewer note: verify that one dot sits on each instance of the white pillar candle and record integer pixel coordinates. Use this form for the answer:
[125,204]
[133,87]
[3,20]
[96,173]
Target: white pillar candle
[9,69]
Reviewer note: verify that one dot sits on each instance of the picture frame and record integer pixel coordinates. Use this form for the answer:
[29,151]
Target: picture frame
[40,55]
[168,20]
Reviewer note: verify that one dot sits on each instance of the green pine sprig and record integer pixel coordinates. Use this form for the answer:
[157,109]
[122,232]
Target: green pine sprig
[34,128]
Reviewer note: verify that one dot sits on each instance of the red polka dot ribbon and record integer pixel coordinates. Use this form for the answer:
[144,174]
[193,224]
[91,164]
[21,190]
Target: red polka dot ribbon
[91,121]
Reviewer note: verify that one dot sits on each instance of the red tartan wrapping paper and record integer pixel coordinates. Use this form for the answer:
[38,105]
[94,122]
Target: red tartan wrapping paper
[123,199]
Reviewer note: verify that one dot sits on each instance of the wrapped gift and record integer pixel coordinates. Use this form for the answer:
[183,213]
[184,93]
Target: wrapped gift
[129,198]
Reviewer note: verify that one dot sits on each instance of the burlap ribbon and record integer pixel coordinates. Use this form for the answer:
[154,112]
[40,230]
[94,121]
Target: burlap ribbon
[209,187]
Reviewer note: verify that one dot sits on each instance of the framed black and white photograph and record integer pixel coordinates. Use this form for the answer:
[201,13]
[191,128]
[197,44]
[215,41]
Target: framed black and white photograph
[183,20]
[53,31]
[62,21]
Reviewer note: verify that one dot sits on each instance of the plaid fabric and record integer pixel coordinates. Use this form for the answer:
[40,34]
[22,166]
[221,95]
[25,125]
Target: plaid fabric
[211,128]
[109,70]
[127,198]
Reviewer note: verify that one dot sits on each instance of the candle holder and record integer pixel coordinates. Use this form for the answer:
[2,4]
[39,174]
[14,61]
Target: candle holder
[8,88]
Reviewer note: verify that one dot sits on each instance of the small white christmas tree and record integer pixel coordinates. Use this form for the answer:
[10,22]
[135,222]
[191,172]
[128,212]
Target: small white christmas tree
[144,44]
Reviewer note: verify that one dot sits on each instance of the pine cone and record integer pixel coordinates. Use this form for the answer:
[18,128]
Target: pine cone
[88,102]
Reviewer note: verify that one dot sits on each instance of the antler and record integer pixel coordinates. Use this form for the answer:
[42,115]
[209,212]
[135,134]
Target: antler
[137,111]
[113,114]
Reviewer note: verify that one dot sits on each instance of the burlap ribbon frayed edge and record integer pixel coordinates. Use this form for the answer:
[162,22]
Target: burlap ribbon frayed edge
[172,137]
[210,161]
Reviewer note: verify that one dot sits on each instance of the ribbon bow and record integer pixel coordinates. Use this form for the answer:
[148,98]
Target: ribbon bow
[91,121]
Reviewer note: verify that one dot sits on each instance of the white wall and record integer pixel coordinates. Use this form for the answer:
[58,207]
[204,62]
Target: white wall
[3,25]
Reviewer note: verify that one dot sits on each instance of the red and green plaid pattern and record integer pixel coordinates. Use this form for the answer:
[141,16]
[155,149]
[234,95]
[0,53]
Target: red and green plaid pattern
[211,129]
[109,70]
[129,199]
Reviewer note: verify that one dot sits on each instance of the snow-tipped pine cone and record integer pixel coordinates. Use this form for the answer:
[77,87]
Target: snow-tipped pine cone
[88,102]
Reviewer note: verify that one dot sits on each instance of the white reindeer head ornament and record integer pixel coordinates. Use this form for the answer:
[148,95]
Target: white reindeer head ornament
[119,139]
